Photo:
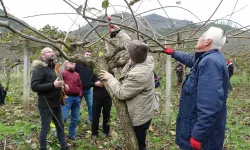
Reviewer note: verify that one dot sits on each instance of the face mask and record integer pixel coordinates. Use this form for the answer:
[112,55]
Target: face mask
[71,70]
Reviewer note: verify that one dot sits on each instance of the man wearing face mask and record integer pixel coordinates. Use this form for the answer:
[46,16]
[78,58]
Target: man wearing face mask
[74,93]
[44,81]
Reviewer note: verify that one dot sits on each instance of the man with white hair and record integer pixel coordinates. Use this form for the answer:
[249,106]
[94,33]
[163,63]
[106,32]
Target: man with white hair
[201,119]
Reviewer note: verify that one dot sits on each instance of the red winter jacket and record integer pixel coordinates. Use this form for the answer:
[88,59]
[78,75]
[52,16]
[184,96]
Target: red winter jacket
[72,79]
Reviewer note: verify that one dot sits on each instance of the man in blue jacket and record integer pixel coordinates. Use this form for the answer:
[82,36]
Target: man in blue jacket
[201,119]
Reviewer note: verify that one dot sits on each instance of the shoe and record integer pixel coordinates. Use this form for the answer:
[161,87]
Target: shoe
[71,138]
[108,135]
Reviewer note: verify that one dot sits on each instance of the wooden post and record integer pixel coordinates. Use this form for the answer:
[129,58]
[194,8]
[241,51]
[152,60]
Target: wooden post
[26,75]
[168,86]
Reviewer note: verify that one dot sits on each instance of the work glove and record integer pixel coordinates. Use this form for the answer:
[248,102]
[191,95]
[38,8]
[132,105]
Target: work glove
[168,51]
[195,144]
[113,29]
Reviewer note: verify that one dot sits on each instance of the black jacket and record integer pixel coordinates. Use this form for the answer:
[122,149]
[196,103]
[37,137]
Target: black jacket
[86,74]
[3,94]
[99,93]
[42,82]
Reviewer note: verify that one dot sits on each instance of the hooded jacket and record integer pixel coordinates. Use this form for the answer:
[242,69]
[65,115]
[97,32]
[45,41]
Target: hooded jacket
[42,82]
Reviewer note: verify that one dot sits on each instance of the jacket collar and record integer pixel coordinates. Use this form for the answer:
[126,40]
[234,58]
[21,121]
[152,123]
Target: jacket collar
[200,55]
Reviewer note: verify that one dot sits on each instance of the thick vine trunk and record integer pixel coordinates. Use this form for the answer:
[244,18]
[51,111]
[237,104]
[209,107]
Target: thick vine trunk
[125,121]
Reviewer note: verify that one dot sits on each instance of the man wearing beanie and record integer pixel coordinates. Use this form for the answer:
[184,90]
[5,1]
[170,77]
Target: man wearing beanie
[136,85]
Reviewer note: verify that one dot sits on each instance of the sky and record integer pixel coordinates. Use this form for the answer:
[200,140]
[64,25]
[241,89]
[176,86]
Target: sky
[201,8]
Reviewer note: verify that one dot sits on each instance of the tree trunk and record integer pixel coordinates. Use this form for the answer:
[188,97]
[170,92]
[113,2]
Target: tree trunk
[125,121]
[122,112]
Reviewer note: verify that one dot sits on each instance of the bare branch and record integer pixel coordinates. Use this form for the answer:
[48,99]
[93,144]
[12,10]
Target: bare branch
[236,34]
[90,32]
[133,17]
[8,26]
[74,22]
[69,31]
[102,37]
[85,6]
[166,14]
[5,11]
[161,8]
[237,29]
[73,3]
[48,14]
[210,20]
[232,11]
[74,45]
[206,21]
[151,28]
[35,31]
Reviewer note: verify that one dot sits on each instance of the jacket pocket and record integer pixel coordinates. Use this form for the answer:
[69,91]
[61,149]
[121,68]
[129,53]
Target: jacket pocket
[190,83]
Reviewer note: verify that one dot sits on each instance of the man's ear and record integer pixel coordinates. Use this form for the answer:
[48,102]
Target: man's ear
[208,42]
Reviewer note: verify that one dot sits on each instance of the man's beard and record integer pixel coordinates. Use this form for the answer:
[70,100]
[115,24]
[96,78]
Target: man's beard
[50,59]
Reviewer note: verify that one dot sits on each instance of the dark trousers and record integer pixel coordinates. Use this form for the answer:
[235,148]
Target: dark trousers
[140,132]
[46,117]
[99,105]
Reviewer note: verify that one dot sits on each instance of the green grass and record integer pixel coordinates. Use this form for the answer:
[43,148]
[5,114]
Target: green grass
[20,126]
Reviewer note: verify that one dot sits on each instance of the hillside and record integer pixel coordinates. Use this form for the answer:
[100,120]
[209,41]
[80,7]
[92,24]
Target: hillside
[162,25]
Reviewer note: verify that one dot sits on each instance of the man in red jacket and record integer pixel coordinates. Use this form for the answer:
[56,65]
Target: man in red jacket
[74,93]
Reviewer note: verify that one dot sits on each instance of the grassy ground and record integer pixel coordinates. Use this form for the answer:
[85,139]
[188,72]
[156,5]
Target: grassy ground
[19,126]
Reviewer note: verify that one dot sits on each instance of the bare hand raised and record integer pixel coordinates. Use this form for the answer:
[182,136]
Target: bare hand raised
[98,84]
[58,84]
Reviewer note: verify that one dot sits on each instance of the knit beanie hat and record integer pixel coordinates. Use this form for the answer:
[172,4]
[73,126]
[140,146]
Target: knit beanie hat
[138,51]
